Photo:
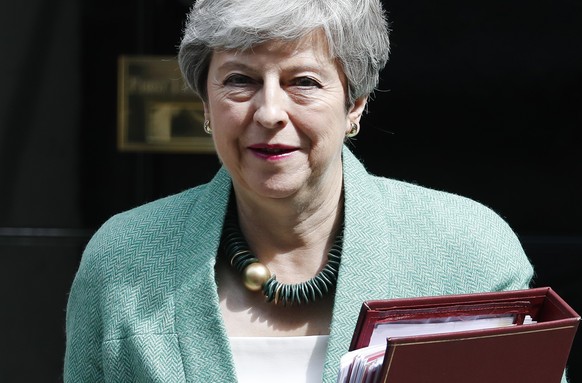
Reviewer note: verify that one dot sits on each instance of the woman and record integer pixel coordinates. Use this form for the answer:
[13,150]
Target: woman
[259,275]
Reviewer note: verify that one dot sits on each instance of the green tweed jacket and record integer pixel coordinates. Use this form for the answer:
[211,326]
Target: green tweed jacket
[144,307]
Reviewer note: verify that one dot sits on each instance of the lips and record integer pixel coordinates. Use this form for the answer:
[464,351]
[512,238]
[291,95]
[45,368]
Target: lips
[272,150]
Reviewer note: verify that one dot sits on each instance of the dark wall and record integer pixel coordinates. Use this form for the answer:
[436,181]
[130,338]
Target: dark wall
[40,114]
[484,99]
[479,98]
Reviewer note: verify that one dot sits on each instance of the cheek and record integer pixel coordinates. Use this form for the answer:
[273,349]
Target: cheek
[334,127]
[327,136]
[227,131]
[225,149]
[225,139]
[228,115]
[327,120]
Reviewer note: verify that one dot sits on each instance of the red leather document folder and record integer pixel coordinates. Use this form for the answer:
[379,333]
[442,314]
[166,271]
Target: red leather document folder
[532,346]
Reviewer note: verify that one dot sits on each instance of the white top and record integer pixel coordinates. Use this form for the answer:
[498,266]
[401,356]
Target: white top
[294,359]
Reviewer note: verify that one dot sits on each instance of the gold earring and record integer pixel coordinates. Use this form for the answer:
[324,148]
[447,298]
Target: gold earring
[207,127]
[355,129]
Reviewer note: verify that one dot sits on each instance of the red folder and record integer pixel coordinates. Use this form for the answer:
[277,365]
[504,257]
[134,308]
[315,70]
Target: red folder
[518,352]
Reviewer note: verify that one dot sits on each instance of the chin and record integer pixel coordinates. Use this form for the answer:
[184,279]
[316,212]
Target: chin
[279,189]
[277,193]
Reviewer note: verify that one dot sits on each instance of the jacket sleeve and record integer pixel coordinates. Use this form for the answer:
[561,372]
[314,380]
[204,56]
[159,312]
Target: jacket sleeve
[83,325]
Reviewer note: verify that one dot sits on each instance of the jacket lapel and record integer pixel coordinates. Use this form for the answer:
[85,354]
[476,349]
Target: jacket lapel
[199,325]
[369,260]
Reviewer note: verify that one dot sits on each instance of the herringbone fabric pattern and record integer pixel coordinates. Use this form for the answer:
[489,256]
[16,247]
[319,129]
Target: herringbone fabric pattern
[144,306]
[402,240]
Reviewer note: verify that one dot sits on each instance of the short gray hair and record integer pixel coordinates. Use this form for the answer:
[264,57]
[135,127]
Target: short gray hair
[356,32]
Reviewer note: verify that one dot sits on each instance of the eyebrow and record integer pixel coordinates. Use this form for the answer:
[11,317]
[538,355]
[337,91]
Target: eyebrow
[232,64]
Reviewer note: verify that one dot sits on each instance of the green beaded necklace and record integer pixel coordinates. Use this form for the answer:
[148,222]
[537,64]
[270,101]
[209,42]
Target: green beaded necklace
[257,277]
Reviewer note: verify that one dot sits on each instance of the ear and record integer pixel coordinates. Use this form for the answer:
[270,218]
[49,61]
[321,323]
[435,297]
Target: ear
[355,111]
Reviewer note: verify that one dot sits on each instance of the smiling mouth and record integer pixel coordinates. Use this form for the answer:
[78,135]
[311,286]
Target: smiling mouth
[272,150]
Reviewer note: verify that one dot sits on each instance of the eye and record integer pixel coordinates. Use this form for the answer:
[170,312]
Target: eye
[306,82]
[238,79]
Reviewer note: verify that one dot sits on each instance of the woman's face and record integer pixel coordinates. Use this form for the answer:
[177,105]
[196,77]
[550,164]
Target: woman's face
[278,117]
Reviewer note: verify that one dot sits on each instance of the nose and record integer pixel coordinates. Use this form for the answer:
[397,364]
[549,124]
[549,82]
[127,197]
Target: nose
[270,107]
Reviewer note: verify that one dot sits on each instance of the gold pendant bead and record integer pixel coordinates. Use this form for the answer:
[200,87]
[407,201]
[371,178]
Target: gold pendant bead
[255,275]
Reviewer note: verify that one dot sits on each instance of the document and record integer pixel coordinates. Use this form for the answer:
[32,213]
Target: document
[510,336]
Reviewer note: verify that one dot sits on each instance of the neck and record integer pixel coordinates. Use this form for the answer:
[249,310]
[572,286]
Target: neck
[291,238]
[256,276]
[293,221]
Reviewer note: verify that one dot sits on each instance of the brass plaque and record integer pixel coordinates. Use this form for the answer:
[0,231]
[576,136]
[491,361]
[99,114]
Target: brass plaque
[157,112]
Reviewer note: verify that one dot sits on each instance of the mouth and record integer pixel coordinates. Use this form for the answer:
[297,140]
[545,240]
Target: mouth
[272,150]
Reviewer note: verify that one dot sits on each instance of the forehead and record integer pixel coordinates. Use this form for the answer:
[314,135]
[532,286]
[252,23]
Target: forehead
[313,44]
[310,51]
